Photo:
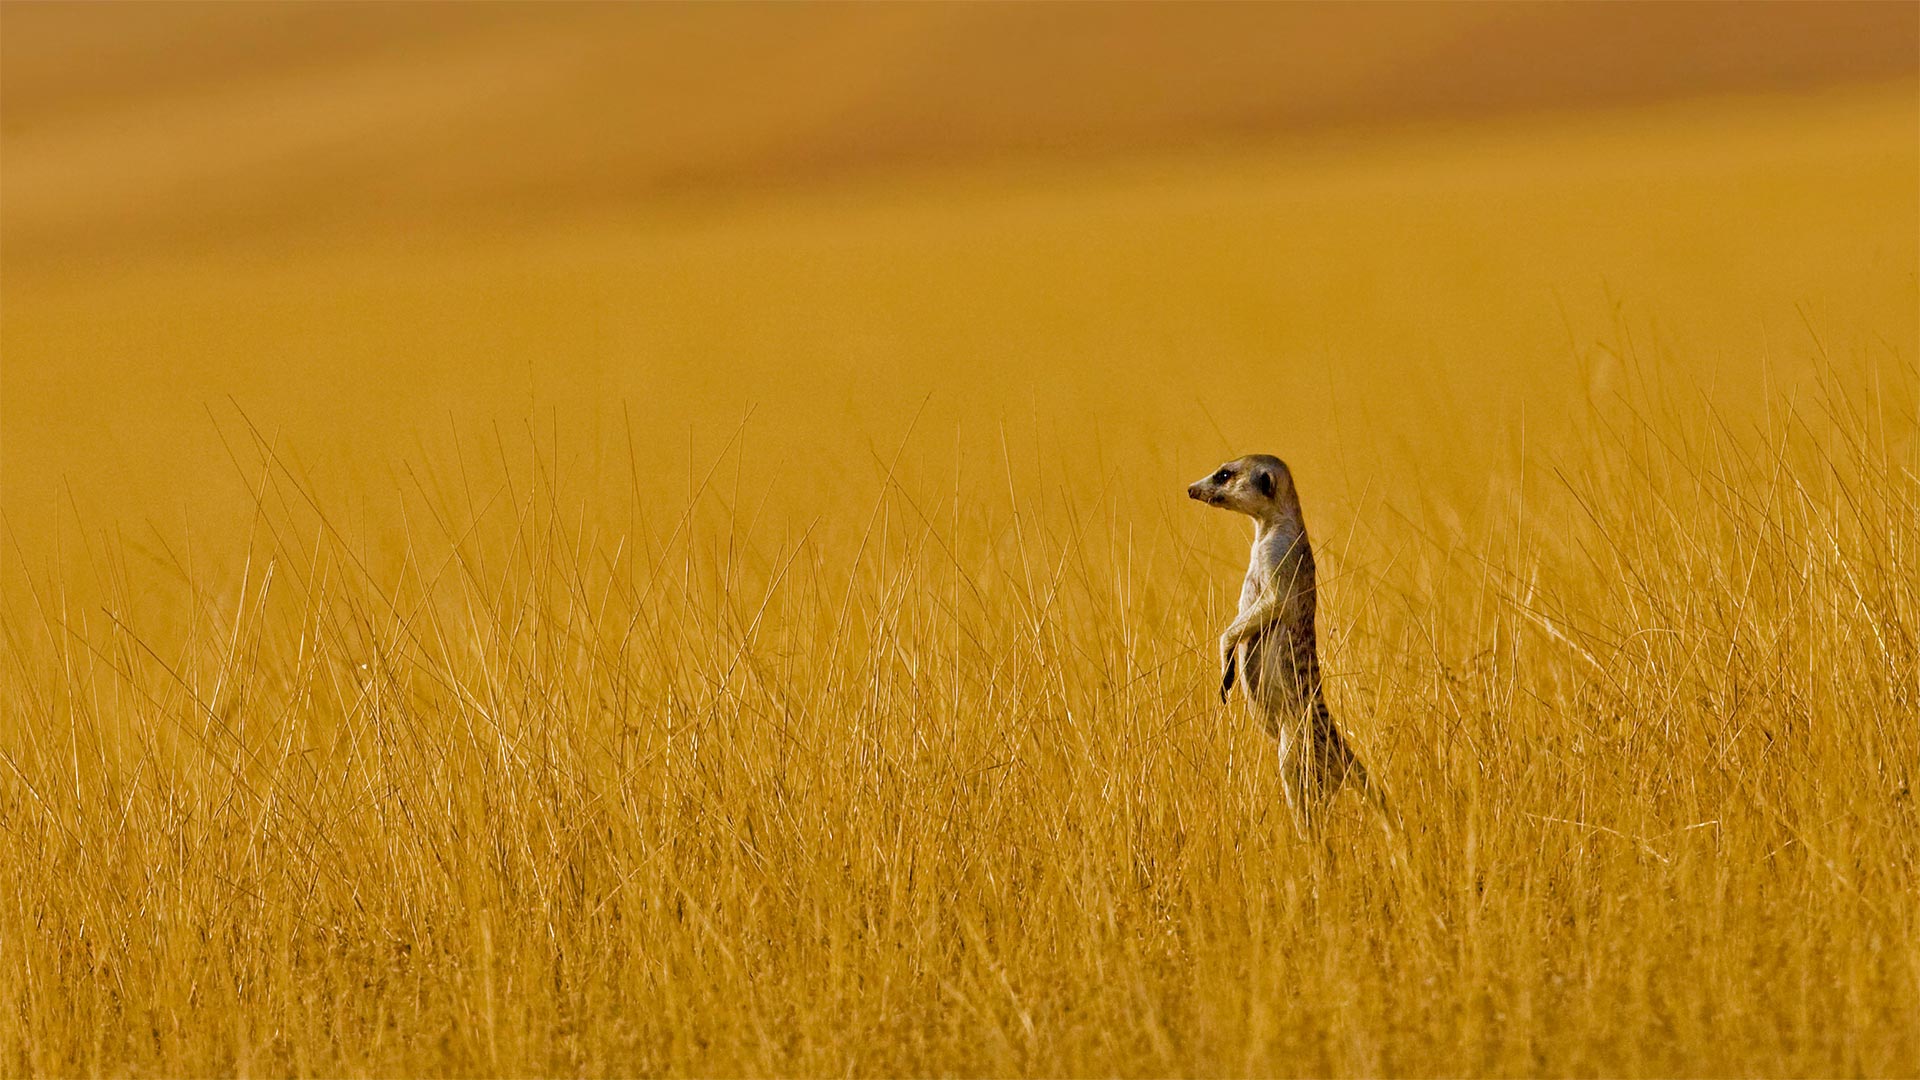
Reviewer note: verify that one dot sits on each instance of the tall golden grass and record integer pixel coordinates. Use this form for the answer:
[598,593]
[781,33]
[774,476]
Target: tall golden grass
[526,773]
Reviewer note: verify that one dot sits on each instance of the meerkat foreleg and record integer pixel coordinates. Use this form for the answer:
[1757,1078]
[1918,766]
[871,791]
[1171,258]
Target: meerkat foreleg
[1254,619]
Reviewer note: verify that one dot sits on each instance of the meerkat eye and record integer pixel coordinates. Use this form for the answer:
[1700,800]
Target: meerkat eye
[1223,476]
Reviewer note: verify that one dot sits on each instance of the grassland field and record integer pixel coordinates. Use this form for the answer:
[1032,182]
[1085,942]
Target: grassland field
[767,635]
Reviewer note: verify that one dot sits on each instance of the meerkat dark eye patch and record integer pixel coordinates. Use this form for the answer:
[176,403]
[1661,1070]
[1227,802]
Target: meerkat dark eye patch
[1263,481]
[1223,476]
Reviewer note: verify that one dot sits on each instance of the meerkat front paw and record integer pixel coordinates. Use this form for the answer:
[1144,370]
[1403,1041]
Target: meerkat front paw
[1227,665]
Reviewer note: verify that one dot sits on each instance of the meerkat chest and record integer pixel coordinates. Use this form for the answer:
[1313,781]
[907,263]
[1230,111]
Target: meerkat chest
[1259,576]
[1281,568]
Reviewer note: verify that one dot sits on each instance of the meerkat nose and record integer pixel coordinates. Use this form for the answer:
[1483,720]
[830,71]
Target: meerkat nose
[1195,491]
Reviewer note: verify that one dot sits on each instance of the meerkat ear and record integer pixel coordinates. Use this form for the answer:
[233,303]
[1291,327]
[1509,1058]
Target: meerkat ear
[1263,482]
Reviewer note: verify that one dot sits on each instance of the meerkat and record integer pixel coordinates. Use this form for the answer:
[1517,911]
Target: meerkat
[1269,650]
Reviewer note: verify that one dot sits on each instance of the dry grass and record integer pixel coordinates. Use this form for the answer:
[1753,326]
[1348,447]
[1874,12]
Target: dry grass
[519,782]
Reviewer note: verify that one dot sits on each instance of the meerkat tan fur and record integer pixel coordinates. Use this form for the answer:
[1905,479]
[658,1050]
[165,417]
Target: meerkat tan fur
[1269,650]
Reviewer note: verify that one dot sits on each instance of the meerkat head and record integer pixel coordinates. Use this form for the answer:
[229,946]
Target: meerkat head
[1257,485]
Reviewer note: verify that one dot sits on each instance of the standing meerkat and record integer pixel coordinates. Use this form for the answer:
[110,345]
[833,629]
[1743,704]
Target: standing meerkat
[1269,649]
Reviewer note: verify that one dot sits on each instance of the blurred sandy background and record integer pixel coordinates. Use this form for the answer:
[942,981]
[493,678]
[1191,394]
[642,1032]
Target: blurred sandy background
[155,127]
[365,222]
